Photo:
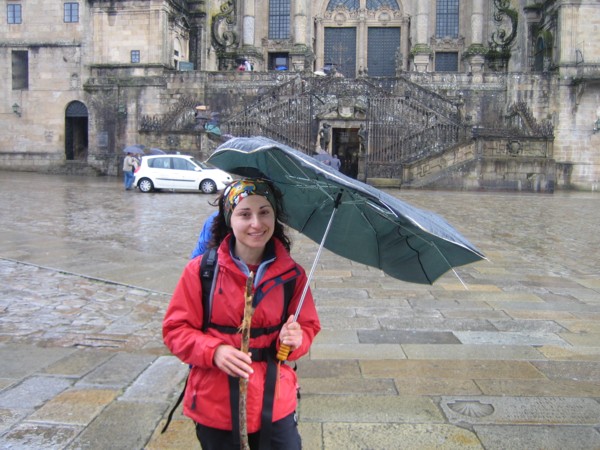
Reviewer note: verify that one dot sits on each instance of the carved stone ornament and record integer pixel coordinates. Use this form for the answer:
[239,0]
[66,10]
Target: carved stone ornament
[224,33]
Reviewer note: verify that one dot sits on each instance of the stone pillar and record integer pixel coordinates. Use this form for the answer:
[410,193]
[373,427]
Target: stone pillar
[476,51]
[477,23]
[421,51]
[300,23]
[362,41]
[320,40]
[405,49]
[248,15]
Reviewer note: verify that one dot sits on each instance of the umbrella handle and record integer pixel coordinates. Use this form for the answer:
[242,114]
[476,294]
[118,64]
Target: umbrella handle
[284,350]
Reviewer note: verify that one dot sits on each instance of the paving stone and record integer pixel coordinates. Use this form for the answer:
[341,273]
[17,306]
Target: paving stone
[35,436]
[78,364]
[354,386]
[460,370]
[158,381]
[522,437]
[359,436]
[121,426]
[406,337]
[436,386]
[558,316]
[352,351]
[518,325]
[75,407]
[540,388]
[119,371]
[328,369]
[521,410]
[434,324]
[581,326]
[9,417]
[19,360]
[569,370]
[33,392]
[578,353]
[370,409]
[509,338]
[311,434]
[336,337]
[582,340]
[468,351]
[181,434]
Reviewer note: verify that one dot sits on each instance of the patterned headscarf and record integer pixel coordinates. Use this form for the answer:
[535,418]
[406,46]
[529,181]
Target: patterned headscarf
[239,190]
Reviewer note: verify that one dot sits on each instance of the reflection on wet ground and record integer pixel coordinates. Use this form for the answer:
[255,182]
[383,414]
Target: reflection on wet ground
[557,234]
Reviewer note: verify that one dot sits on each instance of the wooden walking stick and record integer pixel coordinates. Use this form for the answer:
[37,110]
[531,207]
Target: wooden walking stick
[245,330]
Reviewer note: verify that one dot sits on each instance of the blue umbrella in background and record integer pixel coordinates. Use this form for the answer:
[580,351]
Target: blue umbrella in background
[154,151]
[135,149]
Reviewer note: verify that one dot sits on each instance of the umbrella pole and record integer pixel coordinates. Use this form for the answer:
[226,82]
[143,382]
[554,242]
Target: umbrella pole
[284,350]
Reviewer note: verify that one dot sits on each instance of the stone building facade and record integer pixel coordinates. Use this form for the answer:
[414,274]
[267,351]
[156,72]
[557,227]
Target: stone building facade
[501,89]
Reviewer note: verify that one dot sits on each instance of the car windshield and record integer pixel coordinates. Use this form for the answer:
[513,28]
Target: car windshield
[203,164]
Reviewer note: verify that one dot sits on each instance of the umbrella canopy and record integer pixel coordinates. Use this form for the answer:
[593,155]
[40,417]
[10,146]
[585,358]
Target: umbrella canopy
[136,149]
[370,226]
[155,151]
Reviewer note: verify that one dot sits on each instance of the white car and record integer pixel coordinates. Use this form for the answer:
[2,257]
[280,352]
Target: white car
[180,172]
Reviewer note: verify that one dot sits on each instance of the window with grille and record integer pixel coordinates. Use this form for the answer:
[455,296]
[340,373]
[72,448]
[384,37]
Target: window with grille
[446,62]
[13,13]
[20,70]
[376,4]
[135,56]
[352,5]
[279,19]
[446,19]
[71,12]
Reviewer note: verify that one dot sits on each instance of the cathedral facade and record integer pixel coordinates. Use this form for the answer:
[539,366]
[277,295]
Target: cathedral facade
[473,92]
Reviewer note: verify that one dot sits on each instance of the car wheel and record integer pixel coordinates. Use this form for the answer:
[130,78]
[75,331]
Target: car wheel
[208,186]
[146,185]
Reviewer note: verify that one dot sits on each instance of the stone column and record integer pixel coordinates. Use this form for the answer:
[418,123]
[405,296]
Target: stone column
[405,49]
[300,11]
[475,52]
[248,15]
[362,41]
[320,40]
[422,51]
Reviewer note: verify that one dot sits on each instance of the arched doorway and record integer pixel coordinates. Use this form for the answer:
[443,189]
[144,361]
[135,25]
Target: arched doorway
[76,132]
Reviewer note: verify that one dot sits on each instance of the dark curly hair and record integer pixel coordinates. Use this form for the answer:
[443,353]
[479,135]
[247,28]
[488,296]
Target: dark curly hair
[220,230]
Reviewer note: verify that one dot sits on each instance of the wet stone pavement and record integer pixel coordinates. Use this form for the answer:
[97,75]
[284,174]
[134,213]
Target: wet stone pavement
[86,271]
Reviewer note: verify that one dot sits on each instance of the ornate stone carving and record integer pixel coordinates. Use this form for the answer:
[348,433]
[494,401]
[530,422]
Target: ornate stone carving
[224,34]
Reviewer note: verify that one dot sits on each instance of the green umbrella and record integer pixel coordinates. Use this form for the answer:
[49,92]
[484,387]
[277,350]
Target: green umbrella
[350,218]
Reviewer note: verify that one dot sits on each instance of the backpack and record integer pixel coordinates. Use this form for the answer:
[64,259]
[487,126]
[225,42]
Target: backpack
[208,271]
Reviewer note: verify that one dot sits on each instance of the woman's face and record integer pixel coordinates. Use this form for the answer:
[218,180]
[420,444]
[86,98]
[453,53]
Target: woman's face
[253,222]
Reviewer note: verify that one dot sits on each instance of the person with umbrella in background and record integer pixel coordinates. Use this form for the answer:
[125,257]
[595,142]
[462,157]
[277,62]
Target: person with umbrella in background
[251,243]
[130,164]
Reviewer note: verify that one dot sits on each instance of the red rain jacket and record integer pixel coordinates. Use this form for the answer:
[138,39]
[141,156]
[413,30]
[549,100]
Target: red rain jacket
[206,398]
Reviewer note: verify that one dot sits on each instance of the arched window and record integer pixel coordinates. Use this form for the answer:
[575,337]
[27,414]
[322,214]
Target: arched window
[376,4]
[352,5]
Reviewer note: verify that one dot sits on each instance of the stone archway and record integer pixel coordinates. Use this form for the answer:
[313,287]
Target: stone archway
[76,132]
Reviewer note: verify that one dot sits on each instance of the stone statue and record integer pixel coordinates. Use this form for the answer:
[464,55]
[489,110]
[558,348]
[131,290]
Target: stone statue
[325,136]
[363,138]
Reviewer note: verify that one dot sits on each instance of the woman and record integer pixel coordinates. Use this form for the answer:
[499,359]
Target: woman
[250,238]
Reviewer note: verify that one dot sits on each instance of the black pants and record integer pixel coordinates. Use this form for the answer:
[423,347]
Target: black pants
[284,436]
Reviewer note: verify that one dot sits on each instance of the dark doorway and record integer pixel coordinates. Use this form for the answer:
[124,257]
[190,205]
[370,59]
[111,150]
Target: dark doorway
[76,132]
[346,145]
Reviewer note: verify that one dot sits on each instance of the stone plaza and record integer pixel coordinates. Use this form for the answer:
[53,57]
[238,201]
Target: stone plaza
[86,273]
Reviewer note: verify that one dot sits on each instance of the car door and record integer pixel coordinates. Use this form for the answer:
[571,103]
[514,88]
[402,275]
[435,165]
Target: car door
[161,173]
[186,174]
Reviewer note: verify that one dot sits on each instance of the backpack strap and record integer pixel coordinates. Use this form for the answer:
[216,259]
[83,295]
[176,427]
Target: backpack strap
[208,271]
